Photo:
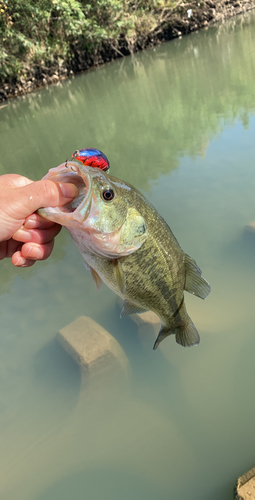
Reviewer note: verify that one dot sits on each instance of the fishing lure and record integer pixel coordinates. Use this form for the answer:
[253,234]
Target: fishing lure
[92,158]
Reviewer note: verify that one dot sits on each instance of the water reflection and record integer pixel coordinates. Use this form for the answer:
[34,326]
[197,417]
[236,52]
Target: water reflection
[145,112]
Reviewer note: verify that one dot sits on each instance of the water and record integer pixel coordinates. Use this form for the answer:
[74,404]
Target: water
[178,123]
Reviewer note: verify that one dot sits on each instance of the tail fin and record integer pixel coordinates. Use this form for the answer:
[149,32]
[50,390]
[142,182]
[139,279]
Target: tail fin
[186,336]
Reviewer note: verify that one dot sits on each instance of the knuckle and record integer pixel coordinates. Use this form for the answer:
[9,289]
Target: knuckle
[48,189]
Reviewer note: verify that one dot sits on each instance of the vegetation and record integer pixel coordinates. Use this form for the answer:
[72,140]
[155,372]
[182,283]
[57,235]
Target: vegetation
[44,40]
[57,33]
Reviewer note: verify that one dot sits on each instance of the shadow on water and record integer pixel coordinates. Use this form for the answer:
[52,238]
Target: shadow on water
[53,392]
[57,372]
[117,484]
[138,350]
[161,385]
[92,484]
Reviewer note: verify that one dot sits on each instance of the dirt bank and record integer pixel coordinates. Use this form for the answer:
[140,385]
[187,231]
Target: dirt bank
[183,19]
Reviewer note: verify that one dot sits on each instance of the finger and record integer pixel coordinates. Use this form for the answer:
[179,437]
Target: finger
[19,260]
[7,248]
[40,236]
[33,251]
[3,250]
[14,180]
[44,193]
[12,249]
[35,221]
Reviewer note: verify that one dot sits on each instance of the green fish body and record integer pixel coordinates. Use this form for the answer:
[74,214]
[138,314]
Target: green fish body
[127,244]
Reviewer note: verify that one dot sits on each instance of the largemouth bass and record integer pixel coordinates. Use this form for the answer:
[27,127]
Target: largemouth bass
[126,244]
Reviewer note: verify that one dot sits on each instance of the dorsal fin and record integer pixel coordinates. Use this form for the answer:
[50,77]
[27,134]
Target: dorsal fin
[194,282]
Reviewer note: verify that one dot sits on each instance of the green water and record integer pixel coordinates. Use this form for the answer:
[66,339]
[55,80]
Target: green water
[178,123]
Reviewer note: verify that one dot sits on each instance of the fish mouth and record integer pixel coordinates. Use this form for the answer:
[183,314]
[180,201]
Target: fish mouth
[78,209]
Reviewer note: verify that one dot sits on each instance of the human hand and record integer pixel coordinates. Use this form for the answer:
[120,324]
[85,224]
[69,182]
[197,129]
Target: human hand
[24,235]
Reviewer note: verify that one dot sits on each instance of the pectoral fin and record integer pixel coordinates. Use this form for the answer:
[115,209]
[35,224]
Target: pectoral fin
[130,308]
[119,275]
[96,278]
[195,283]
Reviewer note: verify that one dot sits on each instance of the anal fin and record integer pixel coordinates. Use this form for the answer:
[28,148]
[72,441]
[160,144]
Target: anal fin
[194,282]
[163,333]
[130,308]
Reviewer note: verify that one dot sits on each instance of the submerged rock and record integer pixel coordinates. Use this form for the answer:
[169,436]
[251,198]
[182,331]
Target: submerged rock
[148,325]
[145,320]
[93,348]
[245,489]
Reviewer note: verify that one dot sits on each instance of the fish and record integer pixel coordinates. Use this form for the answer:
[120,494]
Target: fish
[127,245]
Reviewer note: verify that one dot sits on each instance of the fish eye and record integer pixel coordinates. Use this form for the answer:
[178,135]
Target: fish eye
[108,194]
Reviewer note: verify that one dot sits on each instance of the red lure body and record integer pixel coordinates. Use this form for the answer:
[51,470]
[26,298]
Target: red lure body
[92,158]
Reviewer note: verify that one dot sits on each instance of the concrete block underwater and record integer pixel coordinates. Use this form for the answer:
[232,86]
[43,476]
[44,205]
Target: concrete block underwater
[245,489]
[93,348]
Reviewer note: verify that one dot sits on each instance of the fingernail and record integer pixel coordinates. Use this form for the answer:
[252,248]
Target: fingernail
[22,235]
[20,261]
[32,251]
[68,190]
[32,224]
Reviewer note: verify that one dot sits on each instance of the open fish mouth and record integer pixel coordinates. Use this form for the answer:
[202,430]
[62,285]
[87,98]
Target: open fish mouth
[78,209]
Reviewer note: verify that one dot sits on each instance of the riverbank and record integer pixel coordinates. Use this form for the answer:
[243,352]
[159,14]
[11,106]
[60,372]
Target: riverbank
[151,28]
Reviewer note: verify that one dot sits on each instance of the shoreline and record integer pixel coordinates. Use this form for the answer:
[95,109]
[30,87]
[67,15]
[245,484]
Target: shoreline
[183,19]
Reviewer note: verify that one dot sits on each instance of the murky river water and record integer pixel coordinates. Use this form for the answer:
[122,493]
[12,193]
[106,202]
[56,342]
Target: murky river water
[178,123]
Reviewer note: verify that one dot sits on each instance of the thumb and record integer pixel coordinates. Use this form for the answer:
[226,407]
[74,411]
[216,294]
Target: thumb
[43,193]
